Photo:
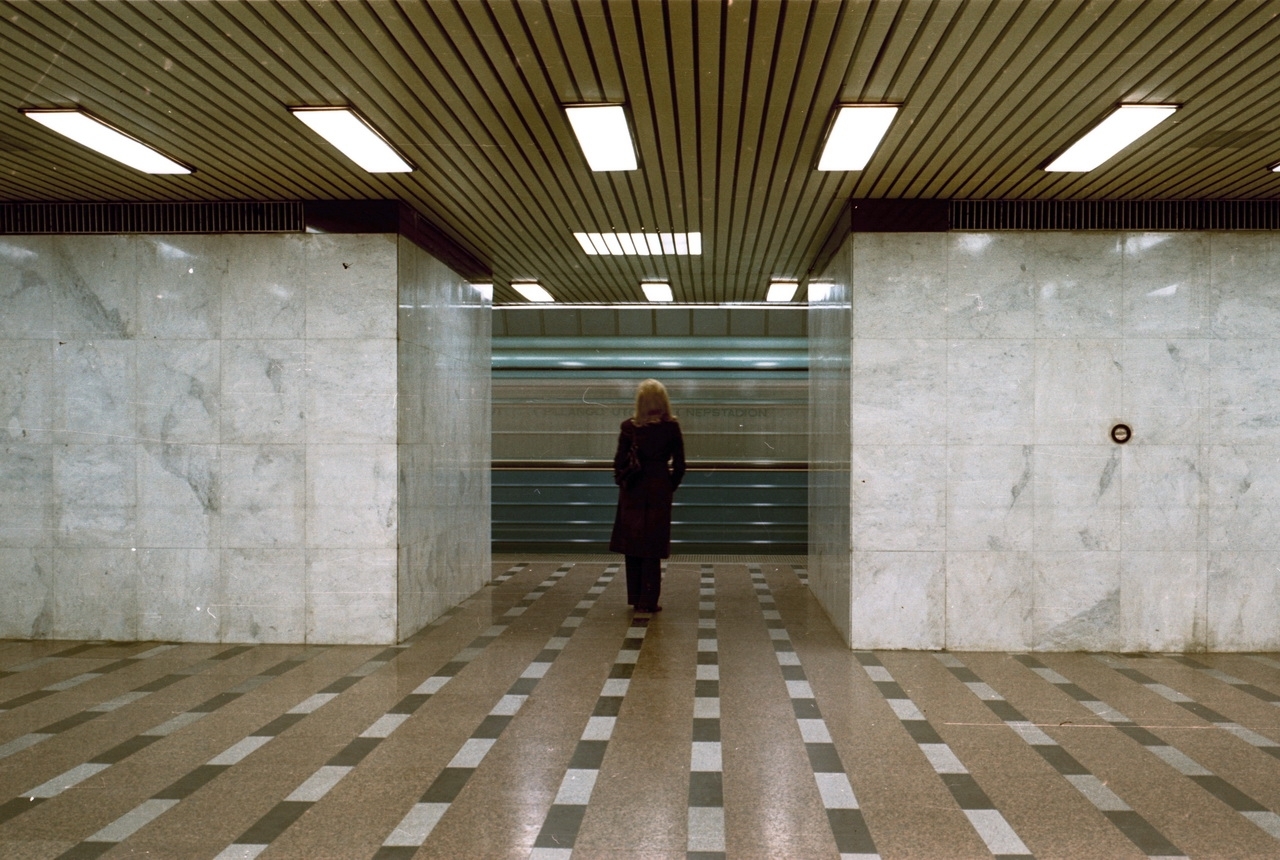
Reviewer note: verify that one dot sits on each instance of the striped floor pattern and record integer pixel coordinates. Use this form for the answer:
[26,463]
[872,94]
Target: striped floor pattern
[542,718]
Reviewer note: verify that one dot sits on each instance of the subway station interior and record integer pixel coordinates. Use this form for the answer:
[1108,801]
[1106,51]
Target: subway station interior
[306,453]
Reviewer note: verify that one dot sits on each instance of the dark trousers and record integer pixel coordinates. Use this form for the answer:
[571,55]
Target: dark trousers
[644,581]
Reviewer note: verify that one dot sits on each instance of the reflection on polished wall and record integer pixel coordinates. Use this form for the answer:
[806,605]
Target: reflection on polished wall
[201,433]
[989,508]
[444,436]
[829,443]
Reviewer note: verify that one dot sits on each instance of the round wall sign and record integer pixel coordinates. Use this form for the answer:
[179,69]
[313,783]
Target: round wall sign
[1121,434]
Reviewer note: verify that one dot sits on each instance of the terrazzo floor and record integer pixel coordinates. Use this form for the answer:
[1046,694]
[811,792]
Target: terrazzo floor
[543,719]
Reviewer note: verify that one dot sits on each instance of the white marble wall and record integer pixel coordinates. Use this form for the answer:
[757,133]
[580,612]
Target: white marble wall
[445,439]
[200,437]
[989,508]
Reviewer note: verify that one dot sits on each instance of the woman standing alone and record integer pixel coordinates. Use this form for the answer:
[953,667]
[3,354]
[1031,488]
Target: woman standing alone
[642,523]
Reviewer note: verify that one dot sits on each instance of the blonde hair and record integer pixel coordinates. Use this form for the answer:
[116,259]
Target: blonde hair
[652,403]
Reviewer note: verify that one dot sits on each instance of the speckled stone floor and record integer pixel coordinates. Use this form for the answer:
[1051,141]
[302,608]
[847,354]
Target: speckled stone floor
[544,719]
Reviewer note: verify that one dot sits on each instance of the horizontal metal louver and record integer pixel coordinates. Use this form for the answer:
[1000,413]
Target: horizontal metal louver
[212,217]
[1115,214]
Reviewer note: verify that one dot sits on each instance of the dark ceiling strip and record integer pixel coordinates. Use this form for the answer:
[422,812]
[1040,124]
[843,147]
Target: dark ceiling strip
[1113,214]
[97,218]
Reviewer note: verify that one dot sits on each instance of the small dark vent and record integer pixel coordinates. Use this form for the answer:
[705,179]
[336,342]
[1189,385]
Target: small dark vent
[1115,214]
[223,217]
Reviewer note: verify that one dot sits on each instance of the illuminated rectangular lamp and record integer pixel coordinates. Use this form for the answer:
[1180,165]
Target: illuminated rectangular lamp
[640,244]
[604,136]
[95,134]
[855,133]
[1122,127]
[351,135]
[782,291]
[532,291]
[657,291]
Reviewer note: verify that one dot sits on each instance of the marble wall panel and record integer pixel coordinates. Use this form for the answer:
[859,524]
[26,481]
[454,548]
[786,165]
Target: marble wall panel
[95,392]
[899,387]
[262,595]
[899,497]
[95,495]
[263,496]
[989,601]
[899,286]
[1165,389]
[1163,601]
[351,391]
[179,496]
[27,611]
[92,285]
[95,595]
[991,392]
[264,391]
[1076,601]
[899,600]
[1244,392]
[991,291]
[264,288]
[1166,284]
[351,496]
[1078,390]
[1243,601]
[1078,284]
[180,280]
[990,498]
[1077,497]
[1243,498]
[178,593]
[27,510]
[1162,497]
[351,286]
[179,389]
[351,596]
[1244,292]
[25,294]
[26,389]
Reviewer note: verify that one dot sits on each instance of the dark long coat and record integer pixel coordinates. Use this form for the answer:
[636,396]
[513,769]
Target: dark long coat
[642,522]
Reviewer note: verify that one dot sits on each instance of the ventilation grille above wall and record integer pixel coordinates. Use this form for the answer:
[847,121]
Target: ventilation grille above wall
[1115,215]
[217,217]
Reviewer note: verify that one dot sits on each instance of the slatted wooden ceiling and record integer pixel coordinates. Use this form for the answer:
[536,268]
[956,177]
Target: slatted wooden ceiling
[729,102]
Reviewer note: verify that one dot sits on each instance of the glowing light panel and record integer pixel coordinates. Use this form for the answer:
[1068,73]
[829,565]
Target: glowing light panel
[1122,127]
[354,138]
[855,134]
[100,137]
[604,136]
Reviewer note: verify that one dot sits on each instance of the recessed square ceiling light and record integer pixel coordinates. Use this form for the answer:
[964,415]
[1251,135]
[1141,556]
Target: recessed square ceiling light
[855,133]
[604,136]
[657,291]
[100,137]
[1122,127]
[532,291]
[782,291]
[354,138]
[640,244]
